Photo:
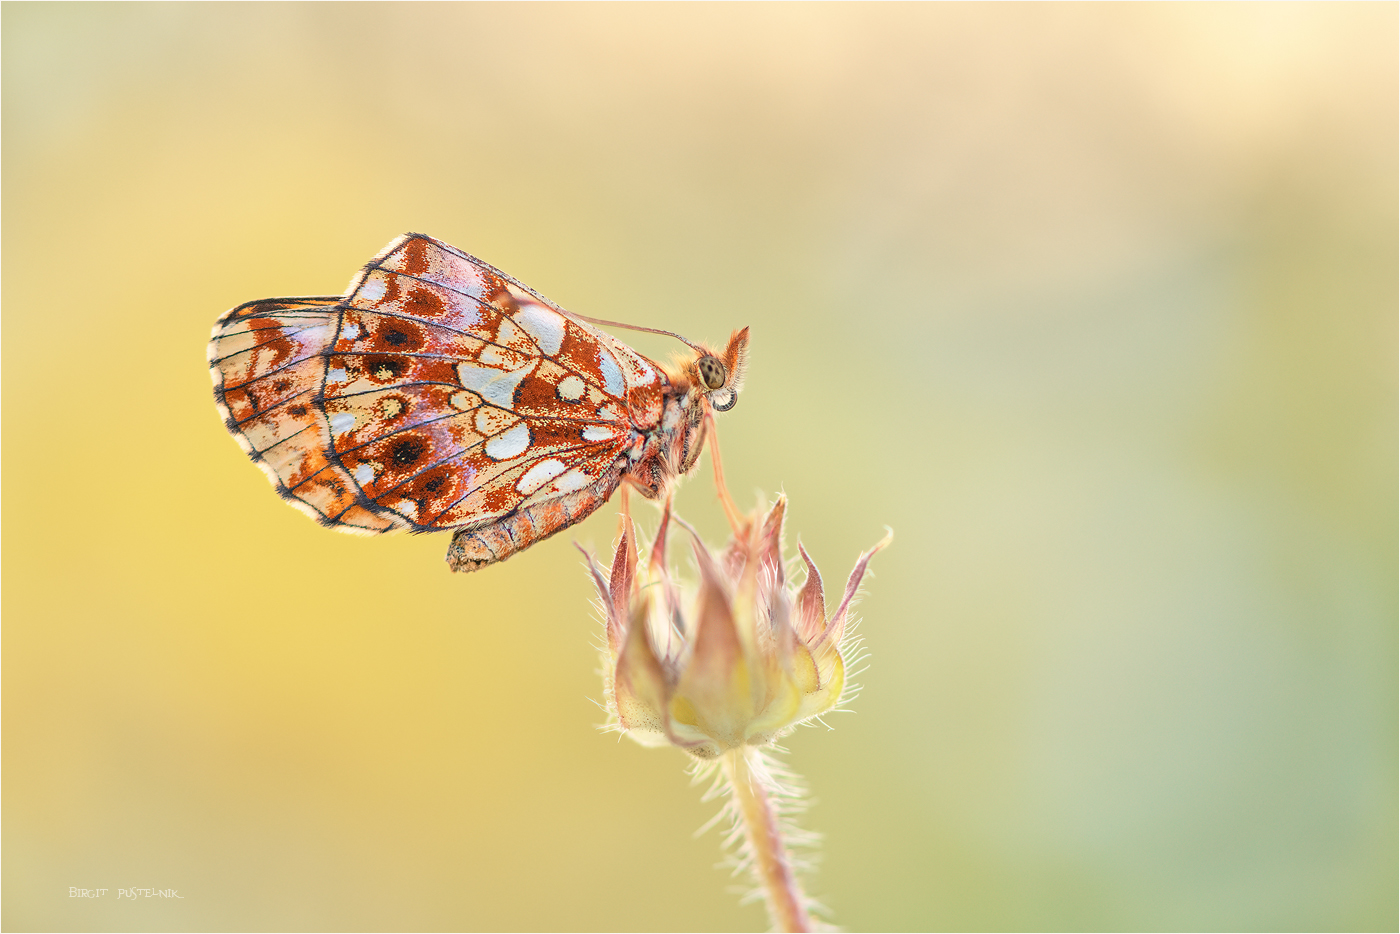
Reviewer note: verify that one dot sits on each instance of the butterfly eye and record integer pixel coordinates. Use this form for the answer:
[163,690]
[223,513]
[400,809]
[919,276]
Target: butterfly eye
[711,372]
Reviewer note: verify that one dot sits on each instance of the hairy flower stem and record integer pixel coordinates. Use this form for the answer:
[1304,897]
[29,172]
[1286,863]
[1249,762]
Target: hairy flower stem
[772,865]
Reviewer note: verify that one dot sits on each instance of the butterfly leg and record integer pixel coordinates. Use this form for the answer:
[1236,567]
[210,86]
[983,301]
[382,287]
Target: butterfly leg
[731,511]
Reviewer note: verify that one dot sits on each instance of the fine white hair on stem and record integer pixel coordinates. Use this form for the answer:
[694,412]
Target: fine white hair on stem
[774,859]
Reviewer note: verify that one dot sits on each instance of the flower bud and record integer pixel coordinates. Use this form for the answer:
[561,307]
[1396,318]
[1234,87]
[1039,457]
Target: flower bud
[741,662]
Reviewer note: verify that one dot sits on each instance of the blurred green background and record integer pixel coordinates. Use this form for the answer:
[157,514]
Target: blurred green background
[1095,305]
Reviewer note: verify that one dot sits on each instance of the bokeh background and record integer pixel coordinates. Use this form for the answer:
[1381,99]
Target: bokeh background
[1094,305]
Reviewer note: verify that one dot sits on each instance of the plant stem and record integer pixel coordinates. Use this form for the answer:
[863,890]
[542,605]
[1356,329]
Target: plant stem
[772,865]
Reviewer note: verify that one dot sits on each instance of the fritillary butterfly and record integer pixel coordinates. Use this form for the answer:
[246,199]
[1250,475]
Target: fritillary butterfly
[440,393]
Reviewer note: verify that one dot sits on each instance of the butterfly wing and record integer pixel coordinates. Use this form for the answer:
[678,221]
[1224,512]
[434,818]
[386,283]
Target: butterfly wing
[437,393]
[267,360]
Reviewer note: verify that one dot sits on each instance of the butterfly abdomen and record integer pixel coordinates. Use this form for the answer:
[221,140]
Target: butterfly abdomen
[475,548]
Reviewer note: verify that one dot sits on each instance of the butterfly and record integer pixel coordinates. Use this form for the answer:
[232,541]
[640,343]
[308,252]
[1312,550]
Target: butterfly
[440,393]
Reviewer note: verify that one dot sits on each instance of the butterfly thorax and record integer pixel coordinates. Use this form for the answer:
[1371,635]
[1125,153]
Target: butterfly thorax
[670,449]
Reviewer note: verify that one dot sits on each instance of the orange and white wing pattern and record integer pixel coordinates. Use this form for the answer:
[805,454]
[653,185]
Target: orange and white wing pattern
[439,393]
[268,360]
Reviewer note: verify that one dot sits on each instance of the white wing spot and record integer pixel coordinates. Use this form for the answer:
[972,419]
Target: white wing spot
[510,444]
[572,481]
[364,474]
[341,422]
[351,332]
[495,386]
[335,376]
[612,376]
[599,433]
[469,318]
[545,325]
[467,277]
[316,335]
[372,290]
[540,474]
[571,388]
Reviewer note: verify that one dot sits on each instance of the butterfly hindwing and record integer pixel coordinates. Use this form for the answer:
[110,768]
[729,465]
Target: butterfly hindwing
[268,363]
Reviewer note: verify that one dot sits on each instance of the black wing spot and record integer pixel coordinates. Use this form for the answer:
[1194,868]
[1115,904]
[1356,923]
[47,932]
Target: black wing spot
[386,367]
[408,450]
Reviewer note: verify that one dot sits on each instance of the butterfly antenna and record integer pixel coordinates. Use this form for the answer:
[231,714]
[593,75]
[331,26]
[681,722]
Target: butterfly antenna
[637,327]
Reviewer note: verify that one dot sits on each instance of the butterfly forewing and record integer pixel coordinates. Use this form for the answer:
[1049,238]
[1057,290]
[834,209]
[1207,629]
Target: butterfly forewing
[438,393]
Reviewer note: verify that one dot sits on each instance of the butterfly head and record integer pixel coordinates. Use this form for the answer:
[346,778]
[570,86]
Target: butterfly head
[720,376]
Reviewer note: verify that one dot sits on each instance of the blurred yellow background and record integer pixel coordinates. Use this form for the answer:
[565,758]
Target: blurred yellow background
[1095,305]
